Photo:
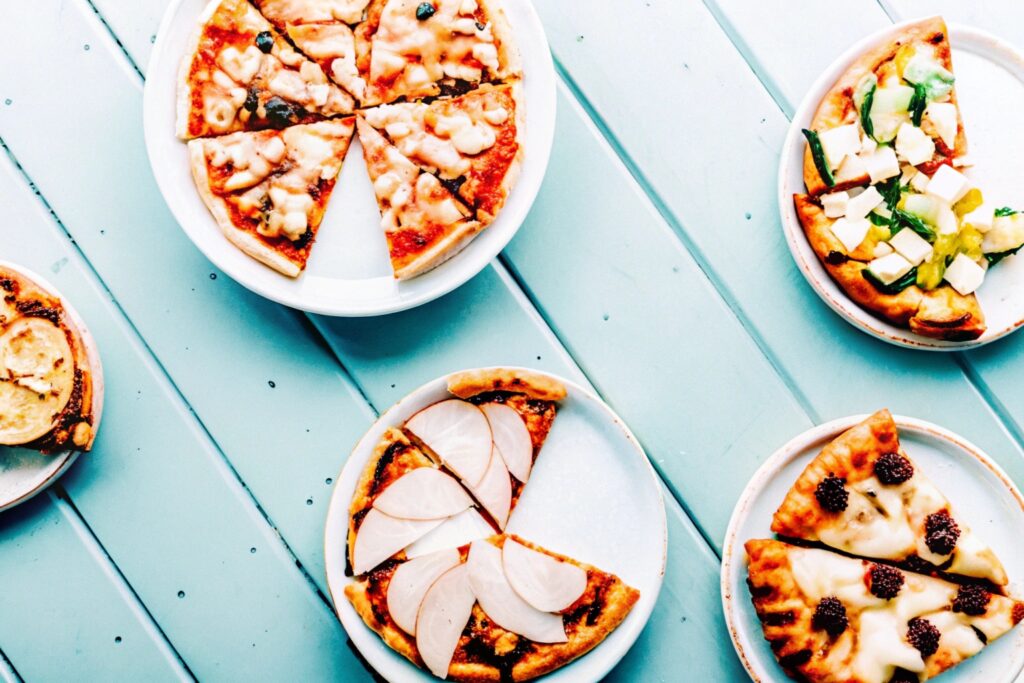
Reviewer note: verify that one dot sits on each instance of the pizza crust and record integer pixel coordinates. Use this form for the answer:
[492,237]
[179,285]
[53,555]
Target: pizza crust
[941,313]
[243,239]
[837,107]
[469,383]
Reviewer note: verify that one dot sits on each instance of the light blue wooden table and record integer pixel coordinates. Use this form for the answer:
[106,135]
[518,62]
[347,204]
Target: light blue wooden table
[189,543]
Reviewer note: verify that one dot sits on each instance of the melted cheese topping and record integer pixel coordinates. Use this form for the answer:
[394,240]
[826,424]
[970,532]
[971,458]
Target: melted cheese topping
[409,56]
[335,45]
[875,643]
[888,522]
[440,142]
[413,198]
[311,11]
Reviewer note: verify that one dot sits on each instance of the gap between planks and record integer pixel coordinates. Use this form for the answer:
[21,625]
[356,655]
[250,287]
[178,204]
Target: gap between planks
[995,406]
[516,288]
[8,674]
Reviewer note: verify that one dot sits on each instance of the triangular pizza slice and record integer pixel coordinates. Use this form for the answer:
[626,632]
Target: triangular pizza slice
[268,189]
[471,141]
[863,495]
[452,462]
[499,609]
[894,104]
[412,49]
[425,224]
[833,618]
[240,74]
[322,31]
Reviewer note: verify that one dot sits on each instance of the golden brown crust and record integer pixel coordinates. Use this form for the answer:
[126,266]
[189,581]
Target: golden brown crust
[837,107]
[393,456]
[73,428]
[469,383]
[941,313]
[603,606]
[850,456]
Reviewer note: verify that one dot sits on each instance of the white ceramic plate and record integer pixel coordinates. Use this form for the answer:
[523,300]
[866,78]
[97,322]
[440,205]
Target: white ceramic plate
[592,495]
[348,273]
[990,91]
[979,490]
[25,473]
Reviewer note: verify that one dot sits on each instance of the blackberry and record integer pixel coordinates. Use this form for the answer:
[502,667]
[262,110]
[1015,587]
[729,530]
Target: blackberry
[923,635]
[425,11]
[279,112]
[893,468]
[971,600]
[832,494]
[885,581]
[903,676]
[252,101]
[265,41]
[830,616]
[941,532]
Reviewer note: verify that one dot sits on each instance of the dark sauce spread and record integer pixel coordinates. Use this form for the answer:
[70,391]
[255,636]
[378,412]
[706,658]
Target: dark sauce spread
[484,642]
[37,309]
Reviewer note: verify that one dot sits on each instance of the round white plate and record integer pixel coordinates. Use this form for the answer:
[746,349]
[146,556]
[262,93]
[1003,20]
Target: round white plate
[592,495]
[990,91]
[978,489]
[25,473]
[348,273]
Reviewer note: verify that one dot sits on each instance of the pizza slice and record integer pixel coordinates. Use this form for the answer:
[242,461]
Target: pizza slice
[48,392]
[321,31]
[491,434]
[863,495]
[412,49]
[239,74]
[268,189]
[833,618]
[895,103]
[499,609]
[471,142]
[425,224]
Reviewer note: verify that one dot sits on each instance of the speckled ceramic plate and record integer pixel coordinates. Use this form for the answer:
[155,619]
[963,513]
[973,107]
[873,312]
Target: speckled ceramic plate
[348,273]
[592,495]
[990,91]
[25,473]
[979,490]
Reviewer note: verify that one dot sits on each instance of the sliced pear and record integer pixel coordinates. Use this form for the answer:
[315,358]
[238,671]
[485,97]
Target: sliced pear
[443,616]
[38,372]
[548,584]
[502,604]
[463,528]
[380,536]
[410,583]
[423,493]
[495,491]
[511,438]
[460,435]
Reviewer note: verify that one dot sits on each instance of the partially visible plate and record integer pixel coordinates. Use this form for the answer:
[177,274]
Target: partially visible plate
[990,91]
[982,494]
[592,495]
[25,473]
[348,273]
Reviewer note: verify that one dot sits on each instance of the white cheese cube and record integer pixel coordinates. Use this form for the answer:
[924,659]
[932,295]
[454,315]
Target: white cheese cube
[851,232]
[964,275]
[941,116]
[882,249]
[911,246]
[890,268]
[852,168]
[981,218]
[868,145]
[945,220]
[919,182]
[1007,233]
[840,142]
[882,164]
[962,161]
[835,203]
[913,145]
[861,205]
[882,211]
[948,184]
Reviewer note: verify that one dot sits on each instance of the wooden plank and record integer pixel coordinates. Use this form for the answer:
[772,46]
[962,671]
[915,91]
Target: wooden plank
[1000,17]
[766,34]
[163,502]
[63,609]
[712,169]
